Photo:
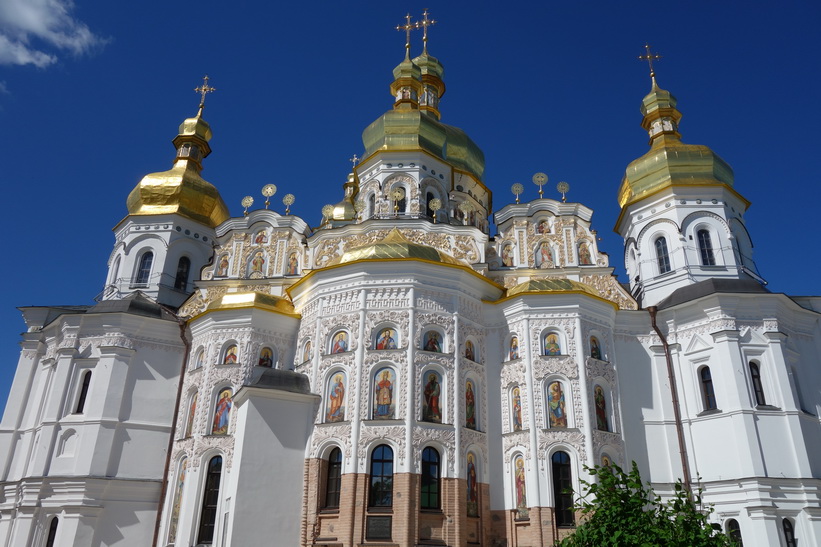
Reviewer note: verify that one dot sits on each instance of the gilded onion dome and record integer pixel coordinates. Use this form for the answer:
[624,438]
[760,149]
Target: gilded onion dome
[414,124]
[669,162]
[181,189]
[554,285]
[344,210]
[395,246]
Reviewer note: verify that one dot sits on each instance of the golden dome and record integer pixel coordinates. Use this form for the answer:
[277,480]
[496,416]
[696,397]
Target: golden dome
[253,299]
[344,210]
[395,246]
[553,285]
[181,189]
[669,162]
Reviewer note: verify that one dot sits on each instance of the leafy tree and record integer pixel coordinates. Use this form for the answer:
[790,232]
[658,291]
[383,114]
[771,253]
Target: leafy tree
[620,510]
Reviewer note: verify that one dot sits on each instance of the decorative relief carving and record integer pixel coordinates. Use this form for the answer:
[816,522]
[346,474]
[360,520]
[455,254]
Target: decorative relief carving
[544,366]
[433,302]
[470,437]
[345,360]
[539,324]
[425,320]
[389,298]
[349,322]
[515,441]
[446,437]
[513,372]
[610,289]
[400,319]
[548,438]
[601,369]
[370,433]
[336,432]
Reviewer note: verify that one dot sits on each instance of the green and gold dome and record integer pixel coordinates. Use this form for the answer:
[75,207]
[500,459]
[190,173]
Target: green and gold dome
[669,162]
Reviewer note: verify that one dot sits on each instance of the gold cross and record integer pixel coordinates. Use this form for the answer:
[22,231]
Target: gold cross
[354,160]
[202,90]
[425,23]
[649,57]
[407,27]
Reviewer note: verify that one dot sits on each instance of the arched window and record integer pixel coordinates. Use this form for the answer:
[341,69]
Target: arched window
[192,411]
[81,400]
[52,532]
[181,279]
[662,256]
[705,247]
[210,501]
[758,389]
[372,205]
[563,489]
[333,484]
[707,393]
[789,533]
[381,486]
[115,271]
[734,531]
[144,270]
[430,479]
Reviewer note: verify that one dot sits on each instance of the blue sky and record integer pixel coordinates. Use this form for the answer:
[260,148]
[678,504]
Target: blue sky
[91,95]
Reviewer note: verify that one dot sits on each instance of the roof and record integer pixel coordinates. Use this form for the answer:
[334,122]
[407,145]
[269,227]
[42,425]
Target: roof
[712,286]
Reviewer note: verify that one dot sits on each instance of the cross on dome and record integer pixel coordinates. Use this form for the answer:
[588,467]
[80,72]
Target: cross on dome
[202,90]
[649,57]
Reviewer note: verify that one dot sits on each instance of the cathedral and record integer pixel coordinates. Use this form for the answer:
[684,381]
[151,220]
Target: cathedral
[419,369]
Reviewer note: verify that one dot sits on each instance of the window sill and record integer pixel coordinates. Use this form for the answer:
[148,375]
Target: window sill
[431,511]
[329,511]
[380,510]
[767,407]
[709,412]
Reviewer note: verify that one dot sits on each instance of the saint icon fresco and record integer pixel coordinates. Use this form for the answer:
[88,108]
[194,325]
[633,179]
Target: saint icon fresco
[293,264]
[261,238]
[544,256]
[470,406]
[584,255]
[557,412]
[472,487]
[431,410]
[266,358]
[336,399]
[385,339]
[514,349]
[601,409]
[519,480]
[595,349]
[507,255]
[470,353]
[340,342]
[543,227]
[222,266]
[222,412]
[230,356]
[383,408]
[257,262]
[517,410]
[432,342]
[551,344]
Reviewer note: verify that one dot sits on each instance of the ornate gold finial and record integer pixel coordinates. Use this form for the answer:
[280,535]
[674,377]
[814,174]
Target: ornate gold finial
[354,160]
[650,57]
[425,23]
[407,27]
[202,90]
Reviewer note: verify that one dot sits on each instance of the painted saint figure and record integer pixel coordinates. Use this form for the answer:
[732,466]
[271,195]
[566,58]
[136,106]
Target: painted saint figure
[507,255]
[543,228]
[293,264]
[230,356]
[544,257]
[222,266]
[432,342]
[266,358]
[306,352]
[175,508]
[517,410]
[469,351]
[584,254]
[432,412]
[521,494]
[257,262]
[383,395]
[473,488]
[470,406]
[514,349]
[222,413]
[261,238]
[340,343]
[200,359]
[551,344]
[556,406]
[385,340]
[336,399]
[601,409]
[192,410]
[595,349]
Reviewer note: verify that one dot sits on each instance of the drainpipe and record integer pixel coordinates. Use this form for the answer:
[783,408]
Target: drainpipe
[164,486]
[685,466]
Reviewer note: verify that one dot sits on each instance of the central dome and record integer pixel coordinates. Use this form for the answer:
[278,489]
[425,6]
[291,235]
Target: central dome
[395,246]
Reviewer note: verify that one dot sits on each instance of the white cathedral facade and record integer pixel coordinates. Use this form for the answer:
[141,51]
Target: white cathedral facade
[399,376]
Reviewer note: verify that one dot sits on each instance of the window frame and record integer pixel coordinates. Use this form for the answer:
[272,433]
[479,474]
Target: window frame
[758,386]
[52,531]
[82,393]
[708,394]
[430,492]
[333,480]
[561,473]
[662,255]
[705,247]
[789,532]
[143,274]
[210,491]
[183,273]
[382,455]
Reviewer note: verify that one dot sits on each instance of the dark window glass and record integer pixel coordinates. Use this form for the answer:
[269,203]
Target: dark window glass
[734,531]
[430,479]
[758,389]
[563,489]
[210,500]
[428,199]
[52,532]
[381,490]
[662,255]
[183,267]
[789,534]
[81,400]
[144,271]
[707,392]
[705,247]
[372,205]
[334,483]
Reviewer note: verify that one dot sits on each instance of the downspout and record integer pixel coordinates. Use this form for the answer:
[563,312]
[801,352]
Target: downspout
[685,466]
[164,486]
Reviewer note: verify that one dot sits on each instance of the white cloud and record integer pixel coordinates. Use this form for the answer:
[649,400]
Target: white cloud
[46,21]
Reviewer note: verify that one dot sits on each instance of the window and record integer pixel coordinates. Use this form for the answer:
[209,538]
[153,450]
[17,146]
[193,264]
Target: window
[144,270]
[52,532]
[662,255]
[734,531]
[789,533]
[183,267]
[563,489]
[758,389]
[381,486]
[81,400]
[705,247]
[333,484]
[707,392]
[210,500]
[372,205]
[428,198]
[430,479]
